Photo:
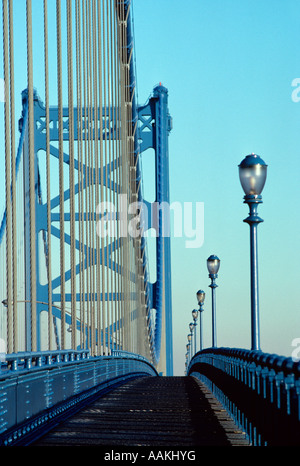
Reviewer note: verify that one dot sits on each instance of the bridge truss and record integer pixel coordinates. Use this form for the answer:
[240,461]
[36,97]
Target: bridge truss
[73,238]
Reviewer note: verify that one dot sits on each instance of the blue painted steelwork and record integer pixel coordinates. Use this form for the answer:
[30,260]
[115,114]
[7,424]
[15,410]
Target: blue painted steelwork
[155,125]
[260,391]
[37,390]
[160,126]
[41,208]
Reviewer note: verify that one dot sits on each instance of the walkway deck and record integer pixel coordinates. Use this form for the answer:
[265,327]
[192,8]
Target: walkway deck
[150,411]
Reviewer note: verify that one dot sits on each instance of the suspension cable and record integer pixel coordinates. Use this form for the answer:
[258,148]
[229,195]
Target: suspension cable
[61,171]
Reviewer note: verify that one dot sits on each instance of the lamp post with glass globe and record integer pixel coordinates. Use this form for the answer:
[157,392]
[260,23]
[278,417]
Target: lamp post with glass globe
[253,174]
[213,265]
[195,317]
[200,299]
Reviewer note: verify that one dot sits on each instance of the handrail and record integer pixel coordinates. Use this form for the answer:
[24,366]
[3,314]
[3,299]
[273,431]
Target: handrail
[128,355]
[53,385]
[261,391]
[29,360]
[26,360]
[285,364]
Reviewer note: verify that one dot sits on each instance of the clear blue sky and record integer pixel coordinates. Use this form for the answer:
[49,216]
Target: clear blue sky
[229,66]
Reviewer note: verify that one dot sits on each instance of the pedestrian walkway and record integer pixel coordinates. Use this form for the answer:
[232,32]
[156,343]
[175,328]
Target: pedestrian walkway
[150,411]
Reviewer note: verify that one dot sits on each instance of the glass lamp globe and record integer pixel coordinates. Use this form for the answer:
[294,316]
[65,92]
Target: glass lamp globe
[195,314]
[200,296]
[253,174]
[213,264]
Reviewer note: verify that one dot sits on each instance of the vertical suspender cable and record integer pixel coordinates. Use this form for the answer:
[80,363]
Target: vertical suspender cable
[80,170]
[71,170]
[61,171]
[123,168]
[84,174]
[95,163]
[127,156]
[113,184]
[114,168]
[116,180]
[116,171]
[109,172]
[106,132]
[118,124]
[89,142]
[120,166]
[101,129]
[92,169]
[131,191]
[87,189]
[49,264]
[32,169]
[124,175]
[13,179]
[7,182]
[108,167]
[105,181]
[96,146]
[83,252]
[87,176]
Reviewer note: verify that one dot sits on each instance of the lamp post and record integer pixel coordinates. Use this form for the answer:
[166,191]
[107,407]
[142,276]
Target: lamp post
[191,326]
[253,174]
[188,347]
[195,317]
[213,265]
[200,299]
[185,363]
[190,343]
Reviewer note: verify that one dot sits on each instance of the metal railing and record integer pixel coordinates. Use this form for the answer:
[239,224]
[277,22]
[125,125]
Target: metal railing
[38,390]
[260,391]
